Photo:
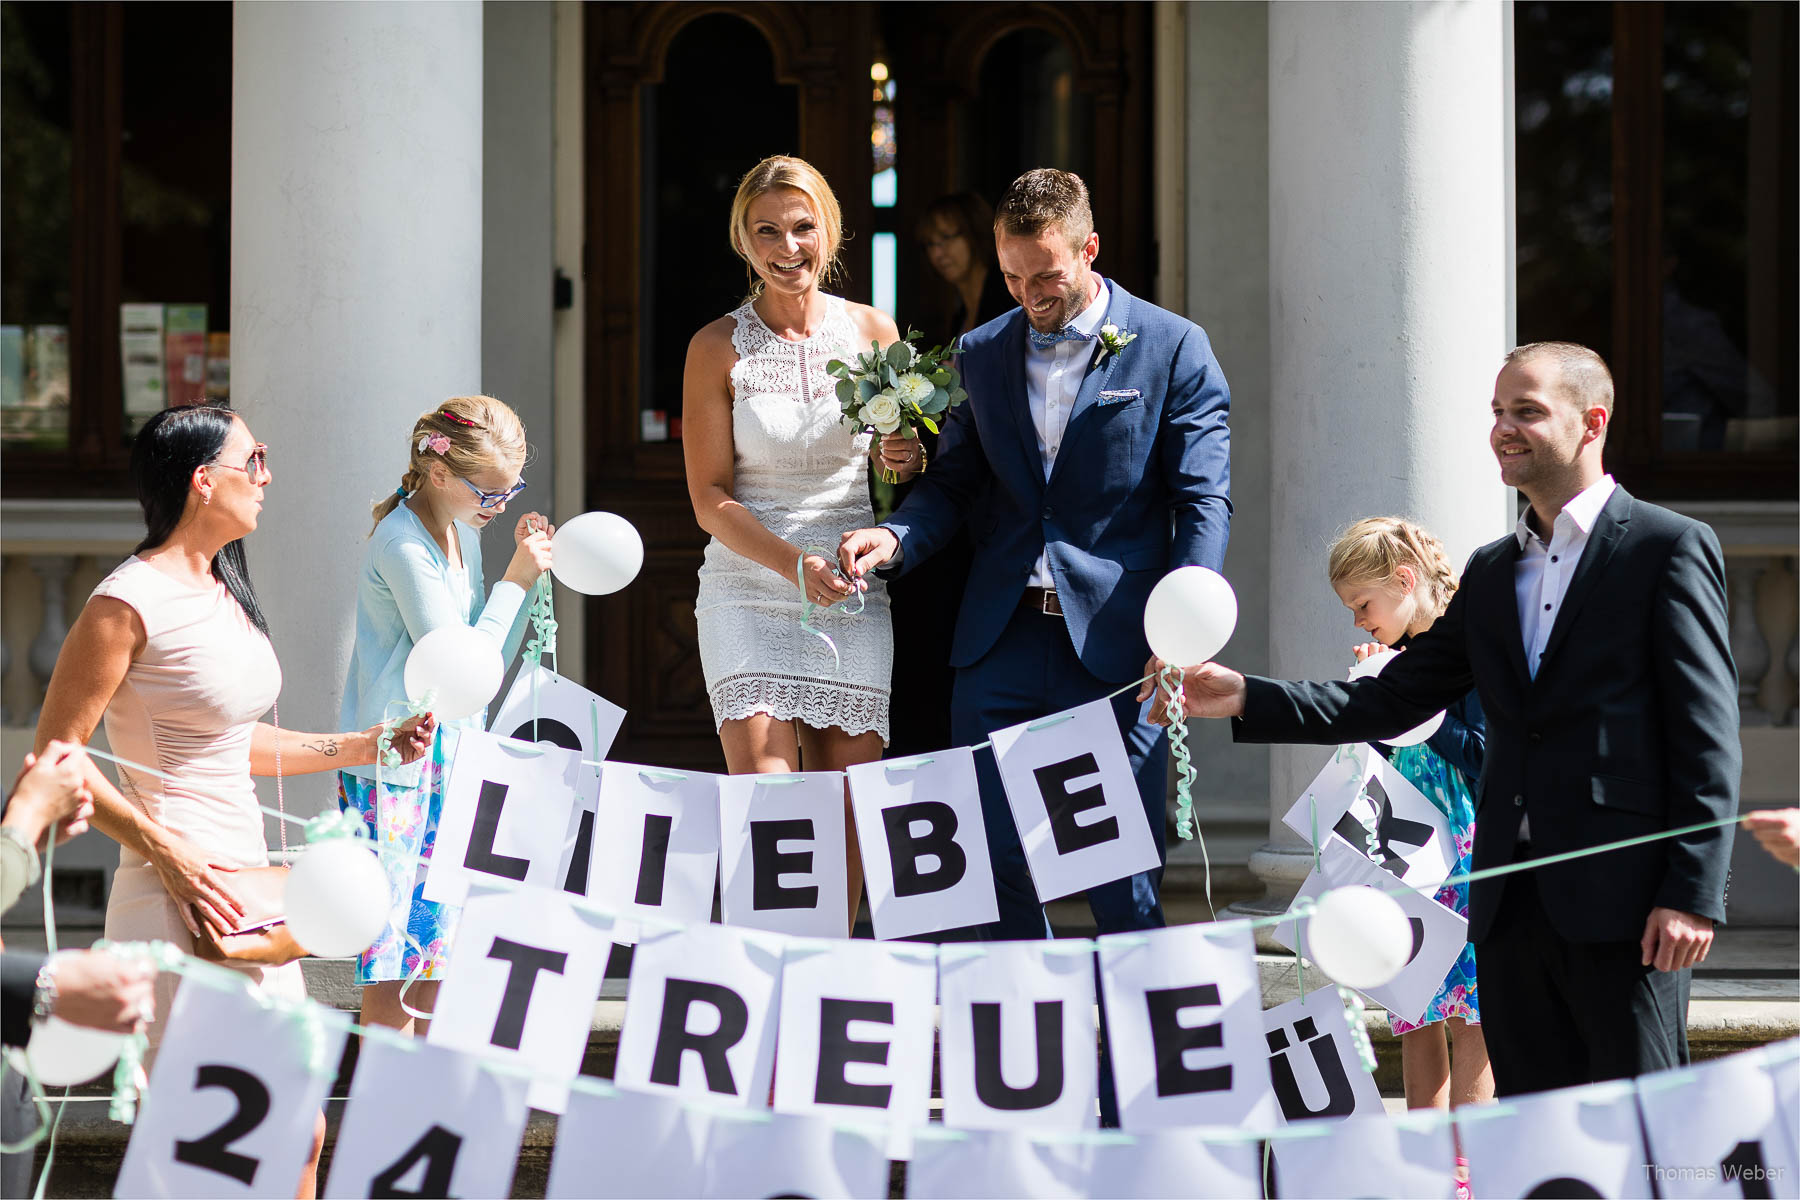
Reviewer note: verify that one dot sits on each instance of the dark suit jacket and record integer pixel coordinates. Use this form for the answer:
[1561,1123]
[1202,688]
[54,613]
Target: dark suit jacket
[1630,727]
[1142,484]
[18,988]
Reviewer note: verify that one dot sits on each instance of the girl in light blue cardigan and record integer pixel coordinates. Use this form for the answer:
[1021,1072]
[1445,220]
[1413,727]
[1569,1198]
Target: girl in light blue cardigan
[423,571]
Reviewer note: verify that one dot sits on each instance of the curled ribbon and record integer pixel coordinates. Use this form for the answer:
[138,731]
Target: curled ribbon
[1355,1014]
[543,623]
[807,607]
[337,823]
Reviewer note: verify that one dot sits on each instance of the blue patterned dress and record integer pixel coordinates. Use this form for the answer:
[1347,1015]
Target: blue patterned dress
[1441,769]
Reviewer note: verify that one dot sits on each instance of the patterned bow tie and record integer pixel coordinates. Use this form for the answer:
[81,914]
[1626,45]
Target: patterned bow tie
[1068,333]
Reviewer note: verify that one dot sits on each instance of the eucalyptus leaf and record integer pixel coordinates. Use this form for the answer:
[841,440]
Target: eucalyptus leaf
[957,397]
[899,356]
[846,392]
[865,390]
[941,377]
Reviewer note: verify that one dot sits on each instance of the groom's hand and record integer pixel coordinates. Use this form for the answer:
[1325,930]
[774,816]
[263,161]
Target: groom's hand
[1209,690]
[862,550]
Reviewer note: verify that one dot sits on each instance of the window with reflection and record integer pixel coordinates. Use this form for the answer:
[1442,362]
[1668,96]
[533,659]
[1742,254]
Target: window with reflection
[694,152]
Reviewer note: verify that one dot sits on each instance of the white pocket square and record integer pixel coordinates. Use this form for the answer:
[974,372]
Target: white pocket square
[1120,396]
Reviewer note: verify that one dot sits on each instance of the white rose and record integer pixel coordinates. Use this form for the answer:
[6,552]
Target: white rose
[882,411]
[1109,331]
[913,388]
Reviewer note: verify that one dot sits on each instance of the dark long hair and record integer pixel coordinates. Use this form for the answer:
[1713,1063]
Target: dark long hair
[163,457]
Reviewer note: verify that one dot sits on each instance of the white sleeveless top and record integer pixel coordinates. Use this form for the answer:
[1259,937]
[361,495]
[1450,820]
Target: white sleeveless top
[804,473]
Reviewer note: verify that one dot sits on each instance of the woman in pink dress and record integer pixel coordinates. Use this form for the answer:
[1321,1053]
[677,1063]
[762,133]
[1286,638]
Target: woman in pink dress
[173,649]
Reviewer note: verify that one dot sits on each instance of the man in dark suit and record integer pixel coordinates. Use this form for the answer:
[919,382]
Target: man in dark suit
[1596,636]
[1092,457]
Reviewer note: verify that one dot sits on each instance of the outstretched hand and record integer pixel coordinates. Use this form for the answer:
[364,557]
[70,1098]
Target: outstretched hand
[862,550]
[1209,690]
[412,737]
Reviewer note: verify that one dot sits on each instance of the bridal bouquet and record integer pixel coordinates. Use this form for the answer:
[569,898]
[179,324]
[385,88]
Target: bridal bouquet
[899,388]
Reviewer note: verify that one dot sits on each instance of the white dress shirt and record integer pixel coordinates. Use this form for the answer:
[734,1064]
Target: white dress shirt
[1541,575]
[1052,381]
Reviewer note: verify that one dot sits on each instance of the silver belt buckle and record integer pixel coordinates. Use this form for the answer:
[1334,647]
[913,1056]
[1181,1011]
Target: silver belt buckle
[1047,602]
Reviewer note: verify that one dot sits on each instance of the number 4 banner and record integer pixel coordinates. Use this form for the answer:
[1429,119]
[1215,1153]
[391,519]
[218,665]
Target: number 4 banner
[426,1121]
[237,1088]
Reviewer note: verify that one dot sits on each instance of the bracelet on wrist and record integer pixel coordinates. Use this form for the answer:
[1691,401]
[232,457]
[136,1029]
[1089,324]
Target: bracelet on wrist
[43,998]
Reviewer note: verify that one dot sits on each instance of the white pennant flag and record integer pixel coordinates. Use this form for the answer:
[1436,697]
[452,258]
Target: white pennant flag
[856,1033]
[508,808]
[1080,815]
[1715,1129]
[234,1095]
[1360,798]
[615,1144]
[1313,1060]
[1585,1141]
[1439,935]
[1184,1022]
[701,1021]
[426,1121]
[782,853]
[924,844]
[1018,1035]
[523,977]
[1782,1060]
[776,1154]
[1406,1154]
[656,846]
[1181,1165]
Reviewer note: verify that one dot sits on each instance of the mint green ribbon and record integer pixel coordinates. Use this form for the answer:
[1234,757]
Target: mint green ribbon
[543,622]
[335,823]
[808,608]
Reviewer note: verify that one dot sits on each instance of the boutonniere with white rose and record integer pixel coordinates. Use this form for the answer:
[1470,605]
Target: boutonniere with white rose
[898,388]
[1114,340]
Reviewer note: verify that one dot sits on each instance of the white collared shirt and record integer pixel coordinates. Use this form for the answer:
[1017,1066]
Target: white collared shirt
[1052,381]
[1541,576]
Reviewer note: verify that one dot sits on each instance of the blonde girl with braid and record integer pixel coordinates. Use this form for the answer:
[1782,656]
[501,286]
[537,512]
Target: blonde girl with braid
[1396,580]
[464,464]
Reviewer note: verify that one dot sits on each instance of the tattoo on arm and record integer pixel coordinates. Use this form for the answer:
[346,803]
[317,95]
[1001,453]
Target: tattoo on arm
[326,746]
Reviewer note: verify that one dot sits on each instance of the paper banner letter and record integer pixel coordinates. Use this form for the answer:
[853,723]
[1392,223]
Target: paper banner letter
[507,808]
[615,1144]
[1316,1069]
[783,853]
[924,844]
[1720,1116]
[1359,792]
[656,855]
[1585,1141]
[1076,803]
[1372,1155]
[772,1154]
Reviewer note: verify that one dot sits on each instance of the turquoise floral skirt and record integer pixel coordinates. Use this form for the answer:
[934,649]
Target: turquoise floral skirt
[403,821]
[1446,788]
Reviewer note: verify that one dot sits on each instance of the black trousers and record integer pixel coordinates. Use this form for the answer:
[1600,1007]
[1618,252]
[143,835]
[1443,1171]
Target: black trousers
[1556,1013]
[18,1117]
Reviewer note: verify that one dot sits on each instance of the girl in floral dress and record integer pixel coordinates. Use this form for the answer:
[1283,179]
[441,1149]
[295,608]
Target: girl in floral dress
[423,571]
[1396,580]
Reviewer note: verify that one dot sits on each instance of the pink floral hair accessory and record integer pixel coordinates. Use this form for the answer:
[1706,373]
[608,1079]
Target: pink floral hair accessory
[437,443]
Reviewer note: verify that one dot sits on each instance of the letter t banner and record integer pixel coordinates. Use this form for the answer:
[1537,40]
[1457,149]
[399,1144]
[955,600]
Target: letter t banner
[521,985]
[1184,1022]
[924,844]
[1073,797]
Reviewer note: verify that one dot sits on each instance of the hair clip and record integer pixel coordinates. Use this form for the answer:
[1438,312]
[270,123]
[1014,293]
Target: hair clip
[457,419]
[435,442]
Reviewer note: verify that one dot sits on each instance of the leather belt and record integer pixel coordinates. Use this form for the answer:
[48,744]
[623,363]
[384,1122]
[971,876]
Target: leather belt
[1041,600]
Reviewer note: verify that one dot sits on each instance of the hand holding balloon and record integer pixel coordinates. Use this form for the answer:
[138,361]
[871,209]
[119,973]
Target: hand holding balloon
[1190,615]
[597,553]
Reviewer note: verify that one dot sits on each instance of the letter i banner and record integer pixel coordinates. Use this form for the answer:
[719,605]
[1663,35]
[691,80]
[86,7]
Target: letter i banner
[1399,1155]
[856,1033]
[701,1022]
[1315,1066]
[507,810]
[545,708]
[1724,1118]
[924,843]
[1190,1164]
[1018,1034]
[426,1121]
[1583,1141]
[782,853]
[1076,803]
[237,1086]
[520,988]
[656,846]
[1184,1022]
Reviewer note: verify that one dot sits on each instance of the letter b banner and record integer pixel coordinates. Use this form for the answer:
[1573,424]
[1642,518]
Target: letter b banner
[924,845]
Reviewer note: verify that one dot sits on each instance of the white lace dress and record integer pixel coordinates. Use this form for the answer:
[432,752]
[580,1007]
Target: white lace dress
[804,474]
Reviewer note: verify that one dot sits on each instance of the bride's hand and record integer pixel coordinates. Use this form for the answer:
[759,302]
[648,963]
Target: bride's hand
[900,454]
[822,584]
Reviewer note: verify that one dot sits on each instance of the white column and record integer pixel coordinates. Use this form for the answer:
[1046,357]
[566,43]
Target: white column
[1388,310]
[355,291]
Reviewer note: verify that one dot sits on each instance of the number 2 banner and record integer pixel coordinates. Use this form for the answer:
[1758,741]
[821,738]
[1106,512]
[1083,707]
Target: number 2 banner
[237,1088]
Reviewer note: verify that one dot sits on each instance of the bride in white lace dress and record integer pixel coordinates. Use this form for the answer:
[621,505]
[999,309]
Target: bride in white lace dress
[773,471]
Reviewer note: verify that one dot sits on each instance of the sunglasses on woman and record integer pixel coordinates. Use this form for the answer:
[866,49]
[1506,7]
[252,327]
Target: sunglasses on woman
[256,464]
[493,499]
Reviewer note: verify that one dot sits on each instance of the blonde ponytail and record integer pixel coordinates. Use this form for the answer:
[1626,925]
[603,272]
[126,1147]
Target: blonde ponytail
[468,434]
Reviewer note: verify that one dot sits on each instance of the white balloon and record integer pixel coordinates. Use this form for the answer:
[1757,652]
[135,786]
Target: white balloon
[1190,616]
[1374,665]
[458,666]
[596,553]
[1359,936]
[337,898]
[62,1055]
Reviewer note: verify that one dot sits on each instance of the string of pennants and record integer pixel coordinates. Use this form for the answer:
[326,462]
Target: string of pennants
[556,855]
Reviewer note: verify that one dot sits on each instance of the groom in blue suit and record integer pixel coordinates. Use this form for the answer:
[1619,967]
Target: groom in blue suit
[1091,458]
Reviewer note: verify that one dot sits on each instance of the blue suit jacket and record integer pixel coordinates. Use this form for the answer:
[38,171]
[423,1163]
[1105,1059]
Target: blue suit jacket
[1141,485]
